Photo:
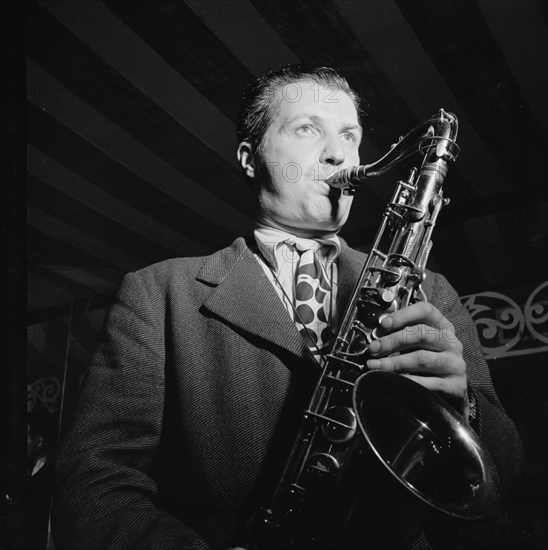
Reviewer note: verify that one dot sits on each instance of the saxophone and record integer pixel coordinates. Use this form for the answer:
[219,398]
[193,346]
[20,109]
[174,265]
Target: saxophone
[375,448]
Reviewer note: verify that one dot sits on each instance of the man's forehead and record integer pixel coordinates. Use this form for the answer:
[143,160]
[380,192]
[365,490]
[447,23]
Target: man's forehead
[308,98]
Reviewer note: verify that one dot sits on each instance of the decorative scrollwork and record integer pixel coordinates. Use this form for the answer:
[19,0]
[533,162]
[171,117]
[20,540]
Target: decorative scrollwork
[495,314]
[502,323]
[536,312]
[47,391]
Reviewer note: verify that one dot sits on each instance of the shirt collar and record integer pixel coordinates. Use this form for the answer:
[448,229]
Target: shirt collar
[270,242]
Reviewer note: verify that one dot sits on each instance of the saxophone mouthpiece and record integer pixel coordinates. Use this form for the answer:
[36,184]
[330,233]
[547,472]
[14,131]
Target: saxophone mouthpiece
[349,179]
[336,180]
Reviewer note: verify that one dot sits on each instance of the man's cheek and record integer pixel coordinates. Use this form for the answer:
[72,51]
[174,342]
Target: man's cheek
[291,172]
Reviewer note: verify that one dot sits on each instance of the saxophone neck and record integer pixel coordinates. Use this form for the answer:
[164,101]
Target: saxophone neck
[434,136]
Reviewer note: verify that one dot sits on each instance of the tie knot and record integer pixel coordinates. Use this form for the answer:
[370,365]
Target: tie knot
[304,245]
[311,246]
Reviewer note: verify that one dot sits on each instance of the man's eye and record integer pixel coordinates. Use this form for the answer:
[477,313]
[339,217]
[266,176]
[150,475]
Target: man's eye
[306,130]
[349,137]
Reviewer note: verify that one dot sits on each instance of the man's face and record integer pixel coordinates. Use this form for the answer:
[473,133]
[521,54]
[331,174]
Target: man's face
[314,133]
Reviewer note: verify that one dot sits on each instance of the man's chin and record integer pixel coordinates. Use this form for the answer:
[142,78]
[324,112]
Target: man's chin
[317,224]
[321,228]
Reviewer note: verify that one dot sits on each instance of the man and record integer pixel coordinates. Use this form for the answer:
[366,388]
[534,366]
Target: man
[194,396]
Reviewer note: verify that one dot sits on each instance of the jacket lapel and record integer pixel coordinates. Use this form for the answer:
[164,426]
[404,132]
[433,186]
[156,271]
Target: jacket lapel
[243,296]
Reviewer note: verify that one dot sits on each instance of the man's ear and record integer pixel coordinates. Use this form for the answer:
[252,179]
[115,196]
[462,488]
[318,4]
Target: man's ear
[246,159]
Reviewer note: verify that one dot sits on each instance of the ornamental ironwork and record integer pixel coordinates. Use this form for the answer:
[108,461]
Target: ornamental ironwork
[507,329]
[45,390]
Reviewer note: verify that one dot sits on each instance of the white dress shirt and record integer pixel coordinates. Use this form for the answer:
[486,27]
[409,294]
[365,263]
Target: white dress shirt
[279,260]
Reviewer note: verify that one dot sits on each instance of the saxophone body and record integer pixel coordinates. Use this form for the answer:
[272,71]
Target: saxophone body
[374,448]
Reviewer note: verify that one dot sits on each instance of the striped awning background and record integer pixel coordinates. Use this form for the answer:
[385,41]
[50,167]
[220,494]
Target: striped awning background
[131,133]
[131,112]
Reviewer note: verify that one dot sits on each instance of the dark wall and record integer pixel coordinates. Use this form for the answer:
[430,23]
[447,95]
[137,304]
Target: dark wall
[521,384]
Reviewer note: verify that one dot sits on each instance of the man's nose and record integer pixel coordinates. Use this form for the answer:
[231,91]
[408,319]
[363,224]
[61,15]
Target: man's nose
[333,151]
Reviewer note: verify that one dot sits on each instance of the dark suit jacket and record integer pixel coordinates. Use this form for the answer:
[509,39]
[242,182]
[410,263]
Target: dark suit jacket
[193,398]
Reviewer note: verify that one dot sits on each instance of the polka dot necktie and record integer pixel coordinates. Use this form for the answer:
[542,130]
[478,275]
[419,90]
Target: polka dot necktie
[312,295]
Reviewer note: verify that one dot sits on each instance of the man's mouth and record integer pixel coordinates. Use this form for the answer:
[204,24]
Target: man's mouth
[327,190]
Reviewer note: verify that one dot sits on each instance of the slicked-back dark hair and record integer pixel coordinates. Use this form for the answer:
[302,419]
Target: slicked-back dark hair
[260,100]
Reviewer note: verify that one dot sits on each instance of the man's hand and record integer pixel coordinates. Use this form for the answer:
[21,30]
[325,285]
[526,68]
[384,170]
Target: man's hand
[428,352]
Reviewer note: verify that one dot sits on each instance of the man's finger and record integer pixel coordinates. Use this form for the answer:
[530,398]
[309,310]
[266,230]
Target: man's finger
[424,362]
[419,313]
[410,337]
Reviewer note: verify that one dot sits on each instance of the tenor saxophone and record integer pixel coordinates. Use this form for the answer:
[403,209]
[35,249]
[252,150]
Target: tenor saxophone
[375,448]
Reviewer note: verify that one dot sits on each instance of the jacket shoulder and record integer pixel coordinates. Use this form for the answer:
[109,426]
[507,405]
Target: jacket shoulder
[189,267]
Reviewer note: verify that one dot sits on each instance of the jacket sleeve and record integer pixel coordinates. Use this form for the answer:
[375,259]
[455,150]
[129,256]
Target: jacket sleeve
[497,431]
[105,497]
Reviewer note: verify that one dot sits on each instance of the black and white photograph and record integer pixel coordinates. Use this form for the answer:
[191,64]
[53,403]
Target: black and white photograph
[277,275]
